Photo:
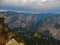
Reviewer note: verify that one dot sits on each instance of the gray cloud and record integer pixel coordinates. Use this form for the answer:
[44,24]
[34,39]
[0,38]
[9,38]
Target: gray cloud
[34,4]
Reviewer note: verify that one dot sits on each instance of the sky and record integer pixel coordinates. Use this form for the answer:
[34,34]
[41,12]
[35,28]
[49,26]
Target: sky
[31,5]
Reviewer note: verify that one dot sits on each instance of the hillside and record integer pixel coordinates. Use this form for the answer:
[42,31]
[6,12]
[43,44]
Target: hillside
[33,22]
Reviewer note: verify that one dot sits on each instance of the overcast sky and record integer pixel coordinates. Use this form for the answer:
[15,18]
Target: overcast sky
[31,5]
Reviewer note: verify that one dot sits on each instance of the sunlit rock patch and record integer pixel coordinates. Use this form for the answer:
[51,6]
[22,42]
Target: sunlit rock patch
[13,42]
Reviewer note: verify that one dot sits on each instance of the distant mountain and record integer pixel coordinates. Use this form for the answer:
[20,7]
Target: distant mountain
[18,21]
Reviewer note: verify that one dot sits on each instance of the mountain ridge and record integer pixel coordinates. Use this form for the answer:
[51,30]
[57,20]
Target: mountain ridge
[32,22]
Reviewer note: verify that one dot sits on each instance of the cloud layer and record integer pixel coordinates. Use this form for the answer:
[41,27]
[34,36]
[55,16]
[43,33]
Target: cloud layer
[33,4]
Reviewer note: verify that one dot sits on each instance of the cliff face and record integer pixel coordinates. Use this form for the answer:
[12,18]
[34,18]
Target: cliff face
[52,24]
